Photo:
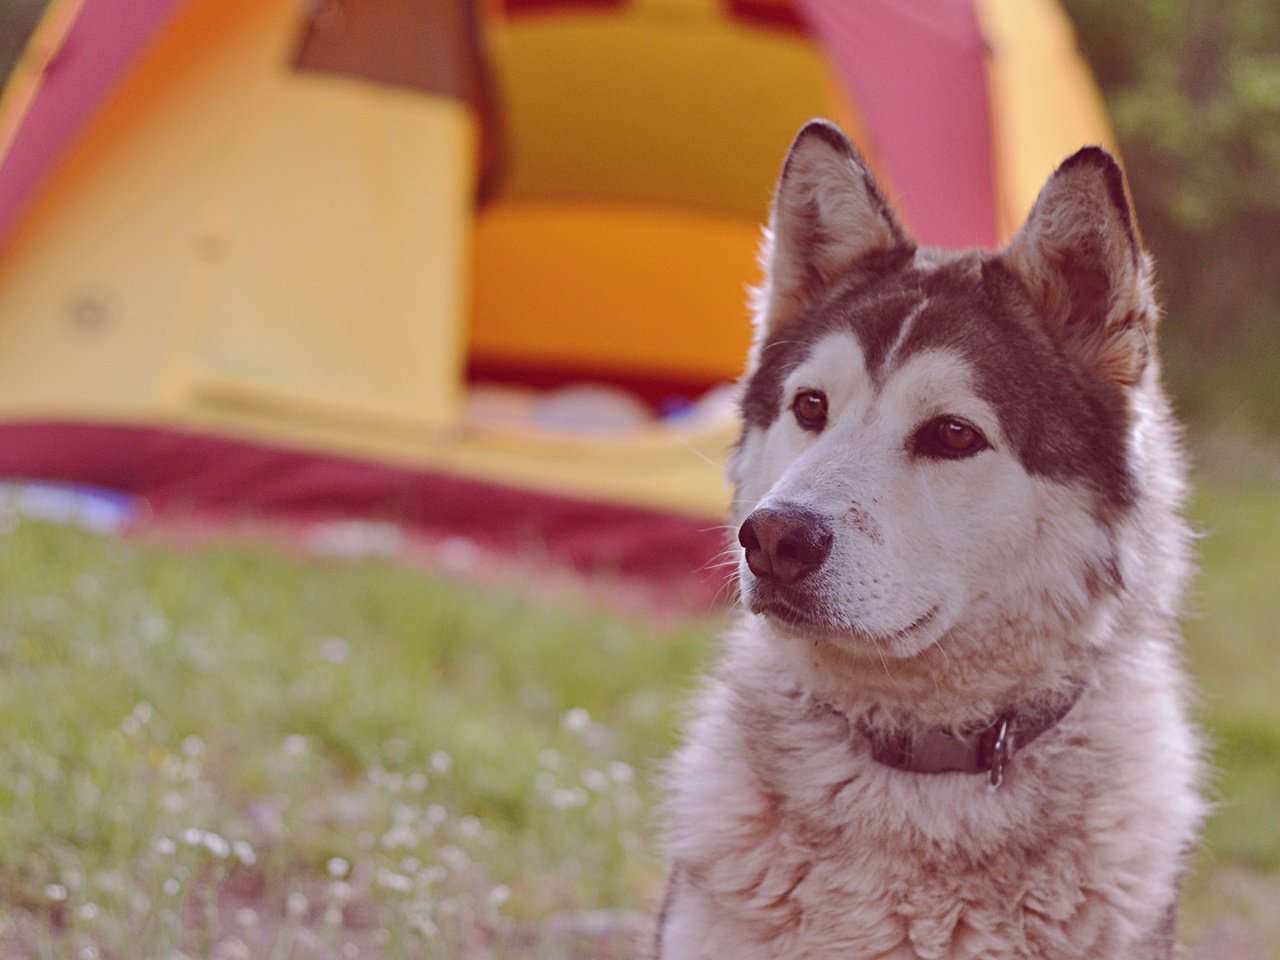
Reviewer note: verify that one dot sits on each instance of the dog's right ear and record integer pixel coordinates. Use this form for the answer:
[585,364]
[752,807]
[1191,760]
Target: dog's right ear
[829,220]
[1081,260]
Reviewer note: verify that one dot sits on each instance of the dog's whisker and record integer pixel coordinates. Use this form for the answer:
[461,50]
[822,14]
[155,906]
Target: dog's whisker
[884,661]
[707,459]
[773,345]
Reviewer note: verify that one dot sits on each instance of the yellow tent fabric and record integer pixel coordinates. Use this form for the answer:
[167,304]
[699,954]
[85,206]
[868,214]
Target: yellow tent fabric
[598,256]
[230,230]
[1036,61]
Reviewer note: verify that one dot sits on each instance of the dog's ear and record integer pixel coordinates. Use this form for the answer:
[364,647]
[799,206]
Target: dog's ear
[829,219]
[1080,258]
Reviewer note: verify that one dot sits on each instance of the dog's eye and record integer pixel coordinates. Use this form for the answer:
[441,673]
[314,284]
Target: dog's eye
[810,408]
[949,437]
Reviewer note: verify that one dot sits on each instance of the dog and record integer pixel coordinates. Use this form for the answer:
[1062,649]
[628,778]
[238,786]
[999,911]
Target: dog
[951,723]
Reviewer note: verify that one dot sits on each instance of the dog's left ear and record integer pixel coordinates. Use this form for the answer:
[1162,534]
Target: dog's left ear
[829,222]
[1080,258]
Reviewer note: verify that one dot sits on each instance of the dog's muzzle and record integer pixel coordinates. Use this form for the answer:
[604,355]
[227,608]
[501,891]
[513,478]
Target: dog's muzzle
[785,544]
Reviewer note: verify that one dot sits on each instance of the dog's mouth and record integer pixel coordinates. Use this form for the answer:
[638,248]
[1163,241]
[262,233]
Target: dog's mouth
[782,609]
[812,621]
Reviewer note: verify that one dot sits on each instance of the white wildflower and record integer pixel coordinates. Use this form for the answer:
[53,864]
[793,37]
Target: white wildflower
[455,859]
[217,845]
[400,835]
[421,921]
[296,904]
[244,852]
[335,649]
[233,948]
[394,881]
[458,554]
[171,767]
[499,895]
[434,874]
[338,867]
[152,626]
[568,799]
[403,813]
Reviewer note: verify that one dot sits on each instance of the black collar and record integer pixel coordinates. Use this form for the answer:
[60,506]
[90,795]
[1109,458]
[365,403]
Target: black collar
[984,749]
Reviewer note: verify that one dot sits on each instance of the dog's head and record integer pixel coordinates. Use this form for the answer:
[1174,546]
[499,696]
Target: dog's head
[940,445]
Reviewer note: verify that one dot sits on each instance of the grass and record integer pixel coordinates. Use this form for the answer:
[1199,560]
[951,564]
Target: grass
[238,750]
[1237,661]
[236,753]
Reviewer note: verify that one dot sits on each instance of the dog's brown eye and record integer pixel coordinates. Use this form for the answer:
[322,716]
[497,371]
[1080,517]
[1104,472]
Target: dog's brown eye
[949,437]
[957,435]
[810,408]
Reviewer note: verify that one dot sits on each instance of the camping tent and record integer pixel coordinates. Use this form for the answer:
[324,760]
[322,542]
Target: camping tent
[256,255]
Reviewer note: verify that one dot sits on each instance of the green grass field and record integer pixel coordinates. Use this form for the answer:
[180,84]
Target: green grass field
[234,753]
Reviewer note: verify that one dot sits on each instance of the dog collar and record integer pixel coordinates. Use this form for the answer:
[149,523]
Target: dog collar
[986,749]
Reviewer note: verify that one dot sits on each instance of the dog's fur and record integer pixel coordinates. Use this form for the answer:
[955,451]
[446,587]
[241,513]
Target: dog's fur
[1046,557]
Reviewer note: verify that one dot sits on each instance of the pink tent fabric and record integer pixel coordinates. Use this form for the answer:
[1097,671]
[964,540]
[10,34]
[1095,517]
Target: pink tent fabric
[918,74]
[105,38]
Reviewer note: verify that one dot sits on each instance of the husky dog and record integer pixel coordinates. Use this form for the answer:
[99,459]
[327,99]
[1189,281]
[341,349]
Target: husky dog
[951,723]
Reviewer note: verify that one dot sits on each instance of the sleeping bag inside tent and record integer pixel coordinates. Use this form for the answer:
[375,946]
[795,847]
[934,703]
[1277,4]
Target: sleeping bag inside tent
[474,270]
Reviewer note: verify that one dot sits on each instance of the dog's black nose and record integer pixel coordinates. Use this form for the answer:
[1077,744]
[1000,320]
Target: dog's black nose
[785,544]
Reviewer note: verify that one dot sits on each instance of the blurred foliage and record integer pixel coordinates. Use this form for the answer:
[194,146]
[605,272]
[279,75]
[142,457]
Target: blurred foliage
[1194,92]
[17,19]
